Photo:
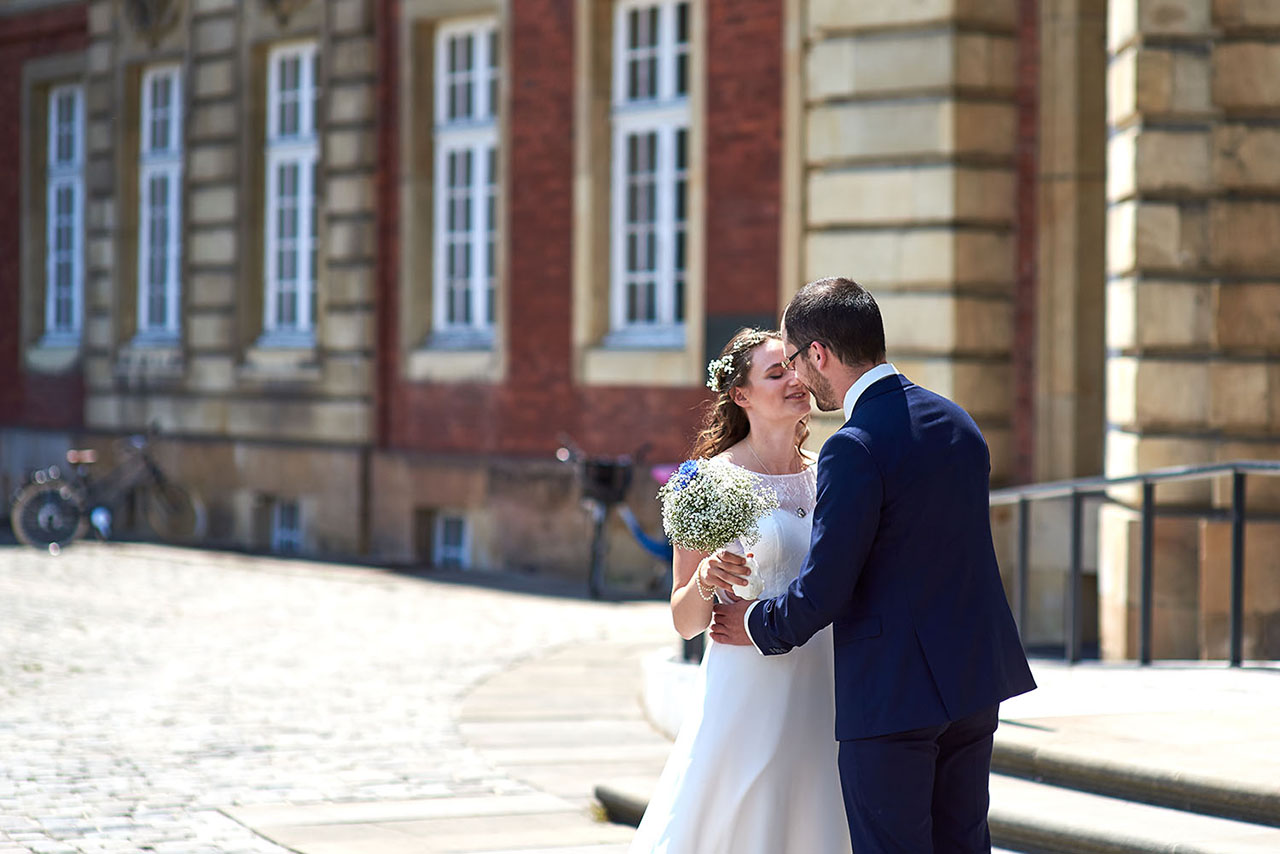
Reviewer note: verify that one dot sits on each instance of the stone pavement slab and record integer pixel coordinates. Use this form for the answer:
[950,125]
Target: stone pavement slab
[148,694]
[553,723]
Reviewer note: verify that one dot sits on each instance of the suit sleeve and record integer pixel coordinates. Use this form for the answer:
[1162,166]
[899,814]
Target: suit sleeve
[845,519]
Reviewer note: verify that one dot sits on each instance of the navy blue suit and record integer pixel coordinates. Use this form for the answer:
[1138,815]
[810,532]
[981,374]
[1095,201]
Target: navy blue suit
[902,563]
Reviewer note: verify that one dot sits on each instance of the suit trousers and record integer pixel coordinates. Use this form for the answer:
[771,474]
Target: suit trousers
[923,791]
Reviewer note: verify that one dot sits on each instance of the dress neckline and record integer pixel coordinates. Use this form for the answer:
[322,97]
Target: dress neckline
[805,470]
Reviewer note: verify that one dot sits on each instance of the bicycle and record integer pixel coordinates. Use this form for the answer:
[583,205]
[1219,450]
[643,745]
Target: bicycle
[604,482]
[54,508]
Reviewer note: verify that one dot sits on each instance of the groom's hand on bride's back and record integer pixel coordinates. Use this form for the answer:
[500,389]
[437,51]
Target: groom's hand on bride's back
[727,624]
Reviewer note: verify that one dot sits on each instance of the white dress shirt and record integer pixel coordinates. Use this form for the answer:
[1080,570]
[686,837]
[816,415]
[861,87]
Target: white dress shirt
[851,396]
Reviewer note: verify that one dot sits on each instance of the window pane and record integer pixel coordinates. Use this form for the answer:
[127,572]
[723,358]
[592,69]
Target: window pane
[468,54]
[160,111]
[461,235]
[459,78]
[66,203]
[289,96]
[679,292]
[65,128]
[491,234]
[158,248]
[66,109]
[641,60]
[287,232]
[494,61]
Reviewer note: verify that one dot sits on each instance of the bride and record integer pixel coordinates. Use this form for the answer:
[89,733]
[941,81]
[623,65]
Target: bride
[753,770]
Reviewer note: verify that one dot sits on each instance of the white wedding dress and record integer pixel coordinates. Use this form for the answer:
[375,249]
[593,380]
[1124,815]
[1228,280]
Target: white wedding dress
[753,769]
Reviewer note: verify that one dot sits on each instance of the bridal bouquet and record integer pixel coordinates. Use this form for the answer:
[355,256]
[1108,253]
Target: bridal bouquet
[707,505]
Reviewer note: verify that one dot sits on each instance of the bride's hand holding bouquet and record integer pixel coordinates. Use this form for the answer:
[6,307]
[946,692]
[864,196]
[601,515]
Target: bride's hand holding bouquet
[712,506]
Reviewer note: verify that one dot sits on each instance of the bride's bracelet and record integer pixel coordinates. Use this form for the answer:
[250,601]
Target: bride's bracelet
[706,591]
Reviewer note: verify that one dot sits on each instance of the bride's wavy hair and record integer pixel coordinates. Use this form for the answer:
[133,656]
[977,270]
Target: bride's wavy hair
[725,423]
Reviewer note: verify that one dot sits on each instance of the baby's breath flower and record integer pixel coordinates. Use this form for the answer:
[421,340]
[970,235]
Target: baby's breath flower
[712,504]
[718,370]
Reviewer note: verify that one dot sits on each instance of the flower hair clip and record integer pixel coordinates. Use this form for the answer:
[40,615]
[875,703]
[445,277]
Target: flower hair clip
[718,370]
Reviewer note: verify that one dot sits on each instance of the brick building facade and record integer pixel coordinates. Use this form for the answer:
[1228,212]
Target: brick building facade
[365,262]
[36,49]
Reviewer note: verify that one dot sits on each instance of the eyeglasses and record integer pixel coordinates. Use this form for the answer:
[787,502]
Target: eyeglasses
[789,362]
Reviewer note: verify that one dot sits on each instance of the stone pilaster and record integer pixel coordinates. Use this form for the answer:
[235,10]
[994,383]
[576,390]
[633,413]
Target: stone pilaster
[909,130]
[1192,262]
[1070,239]
[347,150]
[100,195]
[1065,342]
[215,201]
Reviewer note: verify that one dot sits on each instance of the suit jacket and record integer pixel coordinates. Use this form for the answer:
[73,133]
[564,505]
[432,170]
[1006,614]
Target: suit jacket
[901,561]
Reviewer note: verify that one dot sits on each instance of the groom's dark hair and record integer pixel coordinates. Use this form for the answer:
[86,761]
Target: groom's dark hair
[842,315]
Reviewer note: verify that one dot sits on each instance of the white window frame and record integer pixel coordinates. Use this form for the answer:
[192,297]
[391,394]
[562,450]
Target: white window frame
[64,174]
[666,113]
[160,162]
[299,149]
[286,539]
[457,556]
[477,134]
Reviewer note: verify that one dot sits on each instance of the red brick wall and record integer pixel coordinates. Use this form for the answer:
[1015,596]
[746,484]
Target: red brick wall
[387,268]
[525,415]
[743,156]
[34,401]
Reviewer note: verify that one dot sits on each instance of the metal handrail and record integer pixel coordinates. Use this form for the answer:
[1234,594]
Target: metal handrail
[1079,489]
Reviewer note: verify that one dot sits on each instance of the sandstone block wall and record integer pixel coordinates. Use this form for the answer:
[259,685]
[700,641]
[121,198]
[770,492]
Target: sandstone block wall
[1192,268]
[908,132]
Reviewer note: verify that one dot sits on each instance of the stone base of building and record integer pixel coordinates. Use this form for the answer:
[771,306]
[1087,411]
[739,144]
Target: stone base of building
[1191,587]
[385,507]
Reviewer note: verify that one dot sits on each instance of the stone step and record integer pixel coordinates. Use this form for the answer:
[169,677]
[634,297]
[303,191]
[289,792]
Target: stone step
[1182,777]
[1036,817]
[1045,819]
[625,799]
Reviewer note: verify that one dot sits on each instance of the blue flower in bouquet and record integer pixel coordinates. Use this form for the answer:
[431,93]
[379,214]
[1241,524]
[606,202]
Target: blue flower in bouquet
[708,504]
[688,471]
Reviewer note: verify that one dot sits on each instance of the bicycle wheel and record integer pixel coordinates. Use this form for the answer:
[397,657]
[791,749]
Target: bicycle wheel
[47,513]
[172,513]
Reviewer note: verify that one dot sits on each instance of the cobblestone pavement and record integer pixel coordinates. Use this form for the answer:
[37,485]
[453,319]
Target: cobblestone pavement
[143,688]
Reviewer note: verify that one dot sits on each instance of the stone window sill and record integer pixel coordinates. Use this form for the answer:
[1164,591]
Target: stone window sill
[53,356]
[151,357]
[634,365]
[454,358]
[279,360]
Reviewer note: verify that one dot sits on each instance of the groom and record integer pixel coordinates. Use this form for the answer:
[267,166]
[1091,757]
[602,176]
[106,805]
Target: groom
[901,561]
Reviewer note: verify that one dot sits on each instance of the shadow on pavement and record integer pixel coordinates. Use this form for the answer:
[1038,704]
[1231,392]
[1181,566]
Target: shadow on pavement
[527,583]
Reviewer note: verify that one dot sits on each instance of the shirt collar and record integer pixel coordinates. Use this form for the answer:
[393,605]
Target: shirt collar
[865,382]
